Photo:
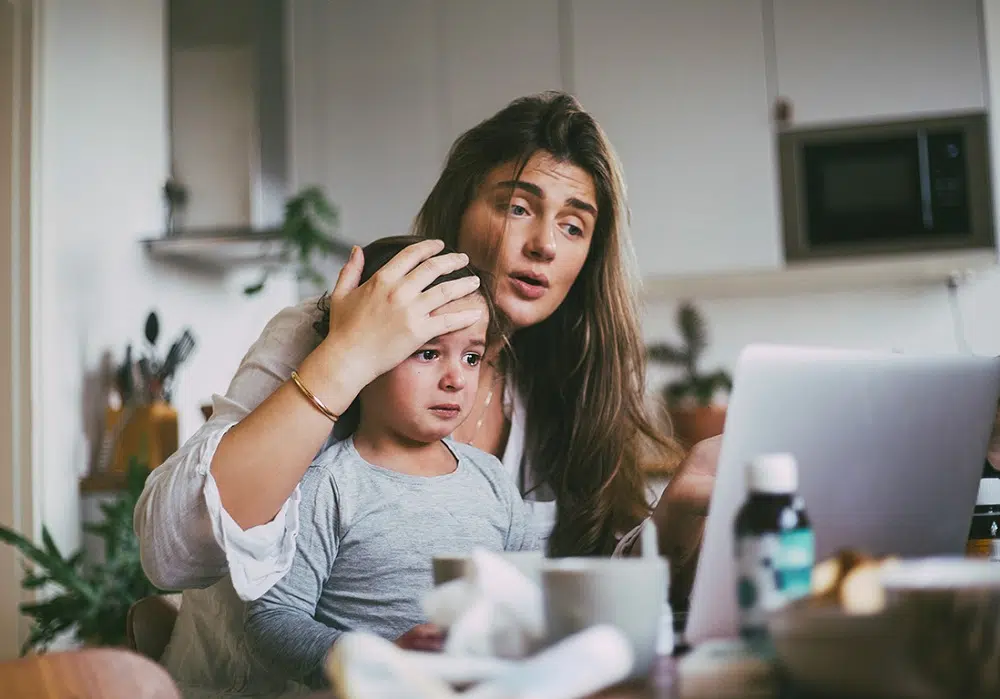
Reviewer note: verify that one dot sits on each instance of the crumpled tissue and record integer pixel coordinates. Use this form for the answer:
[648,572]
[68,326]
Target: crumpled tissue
[495,618]
[494,611]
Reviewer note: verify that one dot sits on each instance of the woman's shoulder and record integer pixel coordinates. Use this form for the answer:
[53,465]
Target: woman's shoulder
[303,315]
[291,333]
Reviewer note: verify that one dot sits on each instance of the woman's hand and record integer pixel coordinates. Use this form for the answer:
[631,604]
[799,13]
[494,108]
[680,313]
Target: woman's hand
[375,326]
[680,516]
[692,484]
[427,637]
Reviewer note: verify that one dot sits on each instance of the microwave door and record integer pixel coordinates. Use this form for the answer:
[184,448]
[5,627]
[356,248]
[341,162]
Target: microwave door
[926,203]
[864,194]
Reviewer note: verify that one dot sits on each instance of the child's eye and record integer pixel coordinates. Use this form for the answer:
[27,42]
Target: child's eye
[472,359]
[426,355]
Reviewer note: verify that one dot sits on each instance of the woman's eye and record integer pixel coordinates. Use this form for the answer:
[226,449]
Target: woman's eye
[472,359]
[426,355]
[518,210]
[572,230]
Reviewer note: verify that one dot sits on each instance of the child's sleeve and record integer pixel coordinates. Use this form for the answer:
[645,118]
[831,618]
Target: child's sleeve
[281,630]
[519,535]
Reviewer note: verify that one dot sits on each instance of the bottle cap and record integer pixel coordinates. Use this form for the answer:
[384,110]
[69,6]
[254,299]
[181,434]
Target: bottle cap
[989,492]
[775,474]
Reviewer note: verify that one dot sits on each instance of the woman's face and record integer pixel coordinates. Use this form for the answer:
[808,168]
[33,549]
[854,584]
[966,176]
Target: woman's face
[539,227]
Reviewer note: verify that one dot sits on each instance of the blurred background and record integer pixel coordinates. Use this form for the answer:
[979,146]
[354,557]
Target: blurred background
[800,171]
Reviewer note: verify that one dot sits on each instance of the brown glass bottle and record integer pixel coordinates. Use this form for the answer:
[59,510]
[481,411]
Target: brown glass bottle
[775,547]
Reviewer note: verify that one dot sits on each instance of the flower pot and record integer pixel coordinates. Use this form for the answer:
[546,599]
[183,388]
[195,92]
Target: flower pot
[693,424]
[148,433]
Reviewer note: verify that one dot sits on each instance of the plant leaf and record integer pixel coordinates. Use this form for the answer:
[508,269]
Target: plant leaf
[255,288]
[667,354]
[675,391]
[693,330]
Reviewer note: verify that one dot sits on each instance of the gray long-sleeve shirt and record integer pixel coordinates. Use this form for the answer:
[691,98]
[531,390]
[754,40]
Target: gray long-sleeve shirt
[364,550]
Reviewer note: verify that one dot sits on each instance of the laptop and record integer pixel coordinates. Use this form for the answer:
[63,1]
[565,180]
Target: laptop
[890,450]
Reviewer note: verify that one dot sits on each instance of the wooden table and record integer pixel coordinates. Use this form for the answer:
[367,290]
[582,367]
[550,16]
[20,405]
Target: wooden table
[93,673]
[661,685]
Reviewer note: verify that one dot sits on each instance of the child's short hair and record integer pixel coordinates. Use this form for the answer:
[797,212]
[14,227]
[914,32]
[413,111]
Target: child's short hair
[378,253]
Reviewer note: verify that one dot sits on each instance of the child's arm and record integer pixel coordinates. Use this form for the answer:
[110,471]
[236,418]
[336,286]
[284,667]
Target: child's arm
[281,630]
[519,535]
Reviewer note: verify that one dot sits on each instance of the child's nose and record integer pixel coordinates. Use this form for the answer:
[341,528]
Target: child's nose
[454,378]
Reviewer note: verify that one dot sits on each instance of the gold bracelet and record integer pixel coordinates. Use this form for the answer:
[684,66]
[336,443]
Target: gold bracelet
[320,405]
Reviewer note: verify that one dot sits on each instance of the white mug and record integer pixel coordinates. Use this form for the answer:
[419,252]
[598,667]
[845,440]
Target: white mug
[627,593]
[451,567]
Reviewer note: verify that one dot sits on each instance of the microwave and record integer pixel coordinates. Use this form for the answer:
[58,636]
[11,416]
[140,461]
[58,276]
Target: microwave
[897,187]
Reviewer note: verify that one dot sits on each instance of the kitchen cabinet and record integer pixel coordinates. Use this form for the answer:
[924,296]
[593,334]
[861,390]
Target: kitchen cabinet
[381,89]
[681,89]
[365,122]
[863,60]
[493,52]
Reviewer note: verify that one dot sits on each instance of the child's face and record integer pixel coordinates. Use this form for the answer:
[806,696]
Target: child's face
[432,392]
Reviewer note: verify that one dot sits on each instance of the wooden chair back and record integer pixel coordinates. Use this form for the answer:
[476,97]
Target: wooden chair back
[150,623]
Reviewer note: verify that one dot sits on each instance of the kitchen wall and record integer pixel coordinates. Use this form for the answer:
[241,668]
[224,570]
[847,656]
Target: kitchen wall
[379,97]
[101,159]
[914,319]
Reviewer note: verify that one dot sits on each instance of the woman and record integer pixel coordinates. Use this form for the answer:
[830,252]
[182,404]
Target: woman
[534,194]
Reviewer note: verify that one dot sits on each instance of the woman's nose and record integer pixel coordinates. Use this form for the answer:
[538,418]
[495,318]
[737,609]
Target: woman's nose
[541,241]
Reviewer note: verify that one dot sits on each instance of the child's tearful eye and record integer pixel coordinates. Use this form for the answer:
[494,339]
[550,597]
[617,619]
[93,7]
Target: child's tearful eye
[472,359]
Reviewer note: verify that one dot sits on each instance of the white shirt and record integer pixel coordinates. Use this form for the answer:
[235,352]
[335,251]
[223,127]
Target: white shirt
[188,540]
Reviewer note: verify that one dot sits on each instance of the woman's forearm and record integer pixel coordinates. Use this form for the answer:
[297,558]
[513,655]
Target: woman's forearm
[260,460]
[680,529]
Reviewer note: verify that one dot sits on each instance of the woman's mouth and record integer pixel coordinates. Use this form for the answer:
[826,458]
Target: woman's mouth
[529,286]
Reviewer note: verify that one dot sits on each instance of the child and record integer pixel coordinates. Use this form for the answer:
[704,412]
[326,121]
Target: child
[376,507]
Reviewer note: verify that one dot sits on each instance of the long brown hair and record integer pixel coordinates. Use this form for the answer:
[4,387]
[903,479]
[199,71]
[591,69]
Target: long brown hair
[582,370]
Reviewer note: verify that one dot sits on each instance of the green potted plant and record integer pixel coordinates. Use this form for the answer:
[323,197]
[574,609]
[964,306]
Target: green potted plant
[692,399]
[310,220]
[90,599]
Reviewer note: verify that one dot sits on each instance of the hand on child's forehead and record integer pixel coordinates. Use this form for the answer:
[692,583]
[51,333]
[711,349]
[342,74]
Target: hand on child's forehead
[465,304]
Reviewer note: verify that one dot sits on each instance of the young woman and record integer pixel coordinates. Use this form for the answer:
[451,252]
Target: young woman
[534,194]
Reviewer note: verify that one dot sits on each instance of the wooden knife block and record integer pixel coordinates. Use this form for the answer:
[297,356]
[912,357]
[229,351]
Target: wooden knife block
[150,436]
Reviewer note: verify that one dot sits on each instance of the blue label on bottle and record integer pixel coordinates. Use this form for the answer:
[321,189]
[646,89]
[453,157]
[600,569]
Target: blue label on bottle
[772,570]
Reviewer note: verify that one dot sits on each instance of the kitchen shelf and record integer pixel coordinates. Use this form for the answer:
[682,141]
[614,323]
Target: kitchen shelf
[823,277]
[226,247]
[221,247]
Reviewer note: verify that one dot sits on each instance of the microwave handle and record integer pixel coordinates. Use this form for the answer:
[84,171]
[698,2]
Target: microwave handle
[926,203]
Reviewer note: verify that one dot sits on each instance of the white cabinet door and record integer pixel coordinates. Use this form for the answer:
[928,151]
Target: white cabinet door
[680,87]
[365,115]
[865,59]
[492,53]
